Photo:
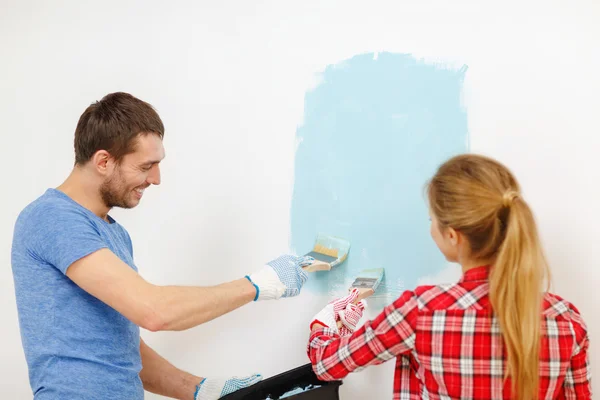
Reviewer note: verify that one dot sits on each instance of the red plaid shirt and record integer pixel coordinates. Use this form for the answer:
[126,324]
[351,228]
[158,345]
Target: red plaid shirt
[447,345]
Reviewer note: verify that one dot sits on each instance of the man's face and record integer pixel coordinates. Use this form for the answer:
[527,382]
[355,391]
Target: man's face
[125,186]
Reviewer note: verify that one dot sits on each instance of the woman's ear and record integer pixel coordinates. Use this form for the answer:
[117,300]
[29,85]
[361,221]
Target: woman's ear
[453,236]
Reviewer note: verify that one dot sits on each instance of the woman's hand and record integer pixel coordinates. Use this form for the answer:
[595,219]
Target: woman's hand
[341,315]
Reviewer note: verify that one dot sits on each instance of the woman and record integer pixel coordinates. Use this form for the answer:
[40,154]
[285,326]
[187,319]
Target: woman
[461,341]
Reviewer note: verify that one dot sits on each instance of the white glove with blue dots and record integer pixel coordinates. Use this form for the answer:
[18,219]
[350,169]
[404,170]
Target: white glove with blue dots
[282,277]
[215,388]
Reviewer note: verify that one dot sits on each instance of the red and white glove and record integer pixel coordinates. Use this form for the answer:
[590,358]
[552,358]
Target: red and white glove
[350,317]
[342,310]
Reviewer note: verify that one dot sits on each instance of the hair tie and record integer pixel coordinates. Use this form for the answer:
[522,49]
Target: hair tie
[508,198]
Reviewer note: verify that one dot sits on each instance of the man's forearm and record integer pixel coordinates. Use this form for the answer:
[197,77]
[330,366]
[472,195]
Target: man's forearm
[161,377]
[106,277]
[183,307]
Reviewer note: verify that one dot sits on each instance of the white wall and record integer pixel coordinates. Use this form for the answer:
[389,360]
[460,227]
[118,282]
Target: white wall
[229,79]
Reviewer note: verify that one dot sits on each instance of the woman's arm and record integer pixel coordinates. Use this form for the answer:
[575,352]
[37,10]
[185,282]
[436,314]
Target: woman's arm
[390,334]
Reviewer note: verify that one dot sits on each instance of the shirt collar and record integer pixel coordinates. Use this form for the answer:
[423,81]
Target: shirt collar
[476,274]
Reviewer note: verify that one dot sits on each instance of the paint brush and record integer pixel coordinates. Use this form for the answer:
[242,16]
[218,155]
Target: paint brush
[367,281]
[328,252]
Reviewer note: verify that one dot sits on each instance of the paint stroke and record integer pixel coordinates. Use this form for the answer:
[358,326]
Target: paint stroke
[375,130]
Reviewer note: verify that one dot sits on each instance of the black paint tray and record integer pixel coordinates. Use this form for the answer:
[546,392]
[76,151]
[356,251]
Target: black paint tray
[276,386]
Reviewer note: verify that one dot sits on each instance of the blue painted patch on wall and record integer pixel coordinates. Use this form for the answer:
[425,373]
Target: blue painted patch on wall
[374,132]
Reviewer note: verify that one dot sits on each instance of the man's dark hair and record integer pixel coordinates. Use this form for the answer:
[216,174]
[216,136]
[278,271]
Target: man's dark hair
[113,124]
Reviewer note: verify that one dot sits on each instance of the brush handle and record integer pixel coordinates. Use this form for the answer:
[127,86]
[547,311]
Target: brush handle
[339,260]
[317,266]
[363,294]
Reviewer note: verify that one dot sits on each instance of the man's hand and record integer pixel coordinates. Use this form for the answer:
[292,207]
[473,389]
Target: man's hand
[215,388]
[282,277]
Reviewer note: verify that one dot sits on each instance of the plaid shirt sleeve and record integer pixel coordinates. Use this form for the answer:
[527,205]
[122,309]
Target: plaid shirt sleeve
[390,334]
[577,384]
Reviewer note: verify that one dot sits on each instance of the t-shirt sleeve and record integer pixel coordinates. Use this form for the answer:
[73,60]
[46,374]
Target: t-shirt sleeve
[129,242]
[61,236]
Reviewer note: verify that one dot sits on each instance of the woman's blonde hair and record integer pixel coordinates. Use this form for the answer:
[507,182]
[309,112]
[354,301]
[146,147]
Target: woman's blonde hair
[480,198]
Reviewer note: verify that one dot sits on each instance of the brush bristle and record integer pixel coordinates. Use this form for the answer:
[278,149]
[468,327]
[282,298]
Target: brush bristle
[319,248]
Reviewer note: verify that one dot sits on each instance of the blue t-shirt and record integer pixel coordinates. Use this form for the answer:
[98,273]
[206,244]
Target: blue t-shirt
[76,346]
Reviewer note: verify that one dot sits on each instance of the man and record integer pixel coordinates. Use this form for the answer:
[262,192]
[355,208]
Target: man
[80,298]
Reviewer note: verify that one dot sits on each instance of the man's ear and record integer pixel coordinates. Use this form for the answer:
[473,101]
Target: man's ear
[102,162]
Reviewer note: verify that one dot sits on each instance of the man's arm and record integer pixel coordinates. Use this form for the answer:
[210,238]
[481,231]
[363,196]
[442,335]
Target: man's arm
[161,377]
[155,308]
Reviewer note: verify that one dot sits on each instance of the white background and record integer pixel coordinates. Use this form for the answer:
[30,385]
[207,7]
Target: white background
[229,79]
